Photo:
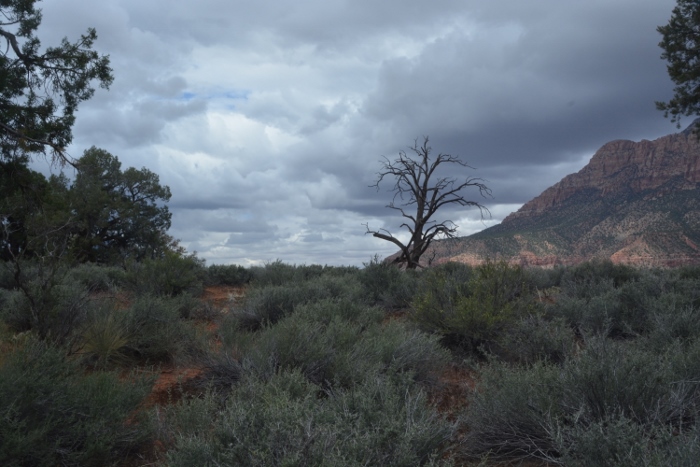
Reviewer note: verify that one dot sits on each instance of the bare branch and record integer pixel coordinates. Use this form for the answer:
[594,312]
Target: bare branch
[418,186]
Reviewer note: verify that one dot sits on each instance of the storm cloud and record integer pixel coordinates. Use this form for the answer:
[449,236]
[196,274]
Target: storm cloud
[268,120]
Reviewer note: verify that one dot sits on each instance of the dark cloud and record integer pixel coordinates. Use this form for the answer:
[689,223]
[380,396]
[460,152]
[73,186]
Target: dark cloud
[268,121]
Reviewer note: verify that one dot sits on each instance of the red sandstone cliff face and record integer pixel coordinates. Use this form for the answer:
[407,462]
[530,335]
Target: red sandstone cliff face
[635,202]
[626,164]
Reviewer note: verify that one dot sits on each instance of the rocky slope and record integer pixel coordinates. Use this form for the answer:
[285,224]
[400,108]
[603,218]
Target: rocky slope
[635,203]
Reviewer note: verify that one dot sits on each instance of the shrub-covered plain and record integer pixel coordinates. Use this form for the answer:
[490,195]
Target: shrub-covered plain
[597,364]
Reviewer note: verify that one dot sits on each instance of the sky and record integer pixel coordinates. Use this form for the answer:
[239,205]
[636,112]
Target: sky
[268,120]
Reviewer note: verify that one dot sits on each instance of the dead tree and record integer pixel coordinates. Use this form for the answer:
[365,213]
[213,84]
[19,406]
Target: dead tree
[418,195]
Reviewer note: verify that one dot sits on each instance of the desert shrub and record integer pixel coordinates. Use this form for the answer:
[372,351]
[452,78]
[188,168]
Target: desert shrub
[157,332]
[7,280]
[54,414]
[282,421]
[682,406]
[533,338]
[267,305]
[345,309]
[621,312]
[670,322]
[238,340]
[295,344]
[613,441]
[170,275]
[689,273]
[336,343]
[596,271]
[611,379]
[620,441]
[151,329]
[472,315]
[96,277]
[514,413]
[234,337]
[274,273]
[542,278]
[686,285]
[231,274]
[616,390]
[600,314]
[386,284]
[52,310]
[220,372]
[189,307]
[457,272]
[400,349]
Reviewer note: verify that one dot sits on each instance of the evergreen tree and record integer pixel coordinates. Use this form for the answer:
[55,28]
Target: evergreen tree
[40,89]
[681,45]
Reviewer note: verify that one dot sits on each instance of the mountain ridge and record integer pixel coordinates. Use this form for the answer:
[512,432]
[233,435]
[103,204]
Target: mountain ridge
[634,203]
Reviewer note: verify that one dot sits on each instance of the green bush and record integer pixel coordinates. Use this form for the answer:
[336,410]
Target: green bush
[533,338]
[53,309]
[232,274]
[294,344]
[473,314]
[283,421]
[7,280]
[610,378]
[386,284]
[346,309]
[279,273]
[156,331]
[54,414]
[189,307]
[592,272]
[543,279]
[232,335]
[613,441]
[96,277]
[169,275]
[670,323]
[623,311]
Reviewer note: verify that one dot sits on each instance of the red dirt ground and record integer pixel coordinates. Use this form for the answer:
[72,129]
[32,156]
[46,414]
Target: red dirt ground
[219,296]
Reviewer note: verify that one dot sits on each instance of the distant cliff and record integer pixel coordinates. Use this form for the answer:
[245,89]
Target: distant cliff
[635,203]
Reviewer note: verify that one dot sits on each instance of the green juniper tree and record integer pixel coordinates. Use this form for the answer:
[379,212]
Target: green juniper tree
[681,45]
[40,88]
[117,214]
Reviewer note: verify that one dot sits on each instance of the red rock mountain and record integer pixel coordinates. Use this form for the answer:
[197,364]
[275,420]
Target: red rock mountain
[635,203]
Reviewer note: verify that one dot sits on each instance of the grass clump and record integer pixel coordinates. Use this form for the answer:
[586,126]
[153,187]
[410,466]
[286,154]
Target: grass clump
[105,337]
